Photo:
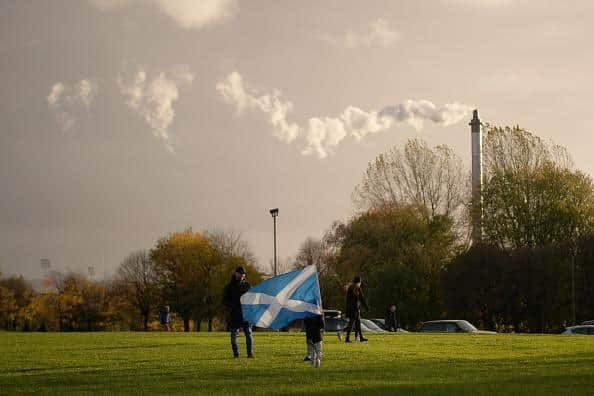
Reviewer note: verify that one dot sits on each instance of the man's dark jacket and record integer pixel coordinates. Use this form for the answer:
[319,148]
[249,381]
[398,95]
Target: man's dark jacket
[231,299]
[354,300]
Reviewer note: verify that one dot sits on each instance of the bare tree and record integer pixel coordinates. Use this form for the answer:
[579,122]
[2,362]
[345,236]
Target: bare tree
[323,254]
[231,243]
[137,273]
[433,179]
[513,149]
[282,265]
[311,252]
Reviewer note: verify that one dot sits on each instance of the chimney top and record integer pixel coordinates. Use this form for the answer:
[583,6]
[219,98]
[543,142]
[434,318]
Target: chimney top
[475,122]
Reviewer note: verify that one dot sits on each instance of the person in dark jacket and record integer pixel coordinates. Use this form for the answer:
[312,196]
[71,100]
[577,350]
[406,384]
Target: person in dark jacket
[314,327]
[391,322]
[165,318]
[354,300]
[231,299]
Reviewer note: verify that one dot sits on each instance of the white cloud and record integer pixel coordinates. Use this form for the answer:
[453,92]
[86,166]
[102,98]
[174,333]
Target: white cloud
[198,13]
[234,92]
[67,101]
[185,13]
[415,111]
[322,135]
[377,34]
[153,98]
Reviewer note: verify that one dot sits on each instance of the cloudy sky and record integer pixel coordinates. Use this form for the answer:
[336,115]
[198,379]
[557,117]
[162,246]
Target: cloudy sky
[124,120]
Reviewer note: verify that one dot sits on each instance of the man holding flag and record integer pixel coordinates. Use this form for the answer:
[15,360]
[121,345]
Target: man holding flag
[232,293]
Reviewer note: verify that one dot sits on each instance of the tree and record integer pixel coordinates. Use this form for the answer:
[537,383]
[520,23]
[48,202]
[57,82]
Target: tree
[514,148]
[185,263]
[231,243]
[90,312]
[43,313]
[584,278]
[530,196]
[8,307]
[15,295]
[69,297]
[432,179]
[522,289]
[311,252]
[400,254]
[137,274]
[321,254]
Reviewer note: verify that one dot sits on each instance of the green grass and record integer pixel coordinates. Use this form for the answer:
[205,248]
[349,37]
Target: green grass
[201,363]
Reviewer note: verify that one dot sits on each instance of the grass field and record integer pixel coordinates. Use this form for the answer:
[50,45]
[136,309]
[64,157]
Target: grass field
[201,363]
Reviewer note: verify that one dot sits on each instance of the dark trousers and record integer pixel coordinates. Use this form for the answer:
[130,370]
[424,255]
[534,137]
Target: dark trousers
[354,324]
[247,330]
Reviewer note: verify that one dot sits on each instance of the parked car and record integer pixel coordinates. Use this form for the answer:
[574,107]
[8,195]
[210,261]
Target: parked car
[333,320]
[588,322]
[380,322]
[579,330]
[451,326]
[368,325]
[382,325]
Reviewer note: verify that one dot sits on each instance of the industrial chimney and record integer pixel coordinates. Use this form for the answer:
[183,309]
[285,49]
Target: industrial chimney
[477,177]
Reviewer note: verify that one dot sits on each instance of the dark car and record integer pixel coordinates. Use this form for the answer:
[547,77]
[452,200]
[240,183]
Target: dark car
[588,322]
[333,320]
[451,326]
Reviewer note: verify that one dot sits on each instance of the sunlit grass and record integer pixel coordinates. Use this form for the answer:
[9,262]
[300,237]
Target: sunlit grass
[201,363]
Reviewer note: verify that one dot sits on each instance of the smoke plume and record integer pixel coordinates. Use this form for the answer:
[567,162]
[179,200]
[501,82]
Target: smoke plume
[153,98]
[321,135]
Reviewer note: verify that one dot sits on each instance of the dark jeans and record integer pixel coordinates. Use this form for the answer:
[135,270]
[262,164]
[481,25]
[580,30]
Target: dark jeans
[247,330]
[354,324]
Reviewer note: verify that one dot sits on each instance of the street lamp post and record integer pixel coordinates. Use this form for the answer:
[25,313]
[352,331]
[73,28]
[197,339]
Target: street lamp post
[573,288]
[274,213]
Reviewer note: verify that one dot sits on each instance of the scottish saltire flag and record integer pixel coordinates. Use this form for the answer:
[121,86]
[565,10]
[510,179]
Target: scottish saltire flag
[278,301]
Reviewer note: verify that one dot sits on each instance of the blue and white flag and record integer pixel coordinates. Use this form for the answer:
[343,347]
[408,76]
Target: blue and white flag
[280,300]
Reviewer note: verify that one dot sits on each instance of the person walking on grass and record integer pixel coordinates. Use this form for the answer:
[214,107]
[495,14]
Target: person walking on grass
[165,318]
[392,324]
[231,299]
[354,300]
[314,328]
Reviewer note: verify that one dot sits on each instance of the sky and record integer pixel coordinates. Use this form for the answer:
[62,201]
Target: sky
[125,120]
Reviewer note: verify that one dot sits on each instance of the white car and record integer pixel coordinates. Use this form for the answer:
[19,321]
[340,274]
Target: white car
[368,326]
[579,330]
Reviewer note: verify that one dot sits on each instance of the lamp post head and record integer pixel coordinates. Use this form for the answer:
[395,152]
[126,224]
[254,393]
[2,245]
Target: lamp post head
[274,212]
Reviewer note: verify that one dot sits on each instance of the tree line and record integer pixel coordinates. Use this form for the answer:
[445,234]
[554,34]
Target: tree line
[409,240]
[185,270]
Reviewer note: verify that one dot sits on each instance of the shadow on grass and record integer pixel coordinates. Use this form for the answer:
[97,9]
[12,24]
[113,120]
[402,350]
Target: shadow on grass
[521,385]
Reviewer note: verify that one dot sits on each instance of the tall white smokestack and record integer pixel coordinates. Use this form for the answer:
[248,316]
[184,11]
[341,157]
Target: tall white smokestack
[477,177]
